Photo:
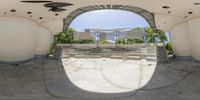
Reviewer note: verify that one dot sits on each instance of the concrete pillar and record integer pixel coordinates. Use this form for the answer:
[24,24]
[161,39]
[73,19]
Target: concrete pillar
[180,41]
[194,37]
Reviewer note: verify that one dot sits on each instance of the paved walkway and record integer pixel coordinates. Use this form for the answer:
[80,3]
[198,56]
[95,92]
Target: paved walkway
[109,75]
[46,79]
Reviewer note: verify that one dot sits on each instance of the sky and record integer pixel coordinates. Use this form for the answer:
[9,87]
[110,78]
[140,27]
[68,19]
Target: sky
[108,19]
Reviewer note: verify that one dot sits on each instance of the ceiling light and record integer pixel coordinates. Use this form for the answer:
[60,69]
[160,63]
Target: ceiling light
[12,10]
[165,7]
[57,9]
[196,3]
[190,12]
[29,12]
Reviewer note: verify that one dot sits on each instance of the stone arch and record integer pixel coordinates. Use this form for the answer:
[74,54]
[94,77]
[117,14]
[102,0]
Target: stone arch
[148,16]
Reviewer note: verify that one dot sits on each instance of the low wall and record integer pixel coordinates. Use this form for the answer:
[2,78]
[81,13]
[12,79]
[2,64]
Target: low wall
[139,45]
[135,51]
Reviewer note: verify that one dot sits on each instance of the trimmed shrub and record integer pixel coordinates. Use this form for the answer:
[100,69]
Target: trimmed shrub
[169,48]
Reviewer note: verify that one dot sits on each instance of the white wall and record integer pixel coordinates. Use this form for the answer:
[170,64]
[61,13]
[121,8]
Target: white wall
[194,37]
[180,40]
[43,42]
[19,39]
[186,39]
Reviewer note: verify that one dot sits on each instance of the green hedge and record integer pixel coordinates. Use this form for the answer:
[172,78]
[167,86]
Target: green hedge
[169,48]
[105,42]
[129,41]
[84,41]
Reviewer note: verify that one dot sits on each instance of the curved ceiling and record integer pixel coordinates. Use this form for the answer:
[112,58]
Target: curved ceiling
[178,8]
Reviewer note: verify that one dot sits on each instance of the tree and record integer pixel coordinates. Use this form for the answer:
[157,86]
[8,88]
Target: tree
[66,36]
[157,36]
[150,36]
[161,36]
[70,35]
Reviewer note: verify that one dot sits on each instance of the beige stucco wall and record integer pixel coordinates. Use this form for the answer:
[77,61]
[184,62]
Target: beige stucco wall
[17,38]
[21,39]
[194,37]
[186,38]
[180,40]
[43,42]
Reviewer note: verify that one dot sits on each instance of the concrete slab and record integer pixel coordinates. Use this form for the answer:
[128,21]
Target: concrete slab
[46,79]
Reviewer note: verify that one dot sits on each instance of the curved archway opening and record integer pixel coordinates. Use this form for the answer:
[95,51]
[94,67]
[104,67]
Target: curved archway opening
[148,16]
[108,20]
[121,64]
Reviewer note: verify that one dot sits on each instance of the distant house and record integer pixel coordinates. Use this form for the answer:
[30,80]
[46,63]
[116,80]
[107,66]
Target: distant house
[103,36]
[135,34]
[83,35]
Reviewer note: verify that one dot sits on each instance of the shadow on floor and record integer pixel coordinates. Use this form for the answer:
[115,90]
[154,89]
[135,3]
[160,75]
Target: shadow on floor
[46,79]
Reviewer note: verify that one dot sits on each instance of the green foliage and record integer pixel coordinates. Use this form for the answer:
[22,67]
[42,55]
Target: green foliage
[105,42]
[169,48]
[161,36]
[157,36]
[138,41]
[129,41]
[66,36]
[150,36]
[120,41]
[84,41]
[53,46]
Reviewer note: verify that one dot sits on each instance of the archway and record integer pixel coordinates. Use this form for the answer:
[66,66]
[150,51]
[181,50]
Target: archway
[108,68]
[142,12]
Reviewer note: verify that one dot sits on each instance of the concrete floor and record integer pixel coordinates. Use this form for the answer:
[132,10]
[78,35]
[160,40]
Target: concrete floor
[106,75]
[45,79]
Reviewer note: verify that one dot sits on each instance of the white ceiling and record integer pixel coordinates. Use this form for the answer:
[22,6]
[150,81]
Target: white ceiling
[179,8]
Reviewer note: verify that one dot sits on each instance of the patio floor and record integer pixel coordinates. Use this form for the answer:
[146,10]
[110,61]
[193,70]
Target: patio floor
[46,79]
[108,75]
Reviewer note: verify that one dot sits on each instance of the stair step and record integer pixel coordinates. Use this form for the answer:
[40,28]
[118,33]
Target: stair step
[134,57]
[115,57]
[80,56]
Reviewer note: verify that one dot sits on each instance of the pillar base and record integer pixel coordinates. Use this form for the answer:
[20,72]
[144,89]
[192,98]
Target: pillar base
[183,57]
[16,62]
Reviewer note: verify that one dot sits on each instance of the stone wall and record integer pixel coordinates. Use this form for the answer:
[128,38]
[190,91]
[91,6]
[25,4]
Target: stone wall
[136,51]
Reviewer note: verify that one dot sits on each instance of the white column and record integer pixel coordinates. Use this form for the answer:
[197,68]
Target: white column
[180,40]
[194,30]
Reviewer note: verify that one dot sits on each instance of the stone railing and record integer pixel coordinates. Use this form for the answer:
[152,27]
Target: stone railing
[135,51]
